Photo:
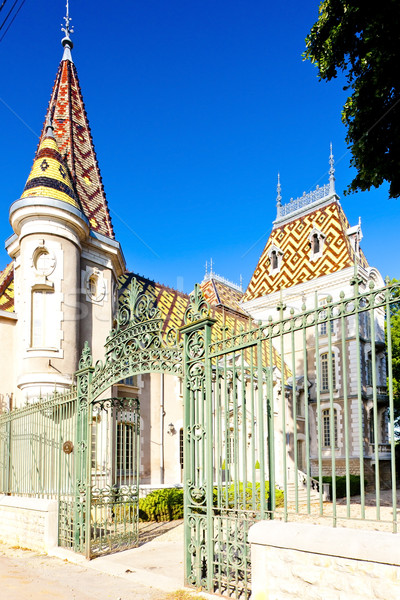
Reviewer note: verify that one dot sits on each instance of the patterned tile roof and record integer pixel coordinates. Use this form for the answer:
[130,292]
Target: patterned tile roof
[67,112]
[49,176]
[293,240]
[220,293]
[173,305]
[7,288]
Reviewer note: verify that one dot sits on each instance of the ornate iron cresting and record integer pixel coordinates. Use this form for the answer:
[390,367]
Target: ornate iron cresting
[295,204]
[137,344]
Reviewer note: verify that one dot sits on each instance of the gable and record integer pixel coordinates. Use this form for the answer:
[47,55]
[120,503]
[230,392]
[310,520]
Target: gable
[293,240]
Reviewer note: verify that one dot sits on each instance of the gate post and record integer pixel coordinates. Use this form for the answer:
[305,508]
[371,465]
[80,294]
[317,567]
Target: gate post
[198,443]
[82,501]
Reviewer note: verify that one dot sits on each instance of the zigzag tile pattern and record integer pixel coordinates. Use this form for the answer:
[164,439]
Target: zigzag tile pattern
[72,132]
[218,293]
[7,288]
[293,239]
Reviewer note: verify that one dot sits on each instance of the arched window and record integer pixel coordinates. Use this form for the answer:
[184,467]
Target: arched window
[93,286]
[326,427]
[325,372]
[275,259]
[317,241]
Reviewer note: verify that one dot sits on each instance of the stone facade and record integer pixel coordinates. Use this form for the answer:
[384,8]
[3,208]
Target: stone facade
[29,522]
[293,560]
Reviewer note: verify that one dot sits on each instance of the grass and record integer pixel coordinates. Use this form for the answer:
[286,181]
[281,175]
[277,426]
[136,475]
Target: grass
[183,595]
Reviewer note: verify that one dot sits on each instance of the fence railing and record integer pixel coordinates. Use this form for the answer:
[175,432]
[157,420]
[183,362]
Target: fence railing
[303,392]
[36,444]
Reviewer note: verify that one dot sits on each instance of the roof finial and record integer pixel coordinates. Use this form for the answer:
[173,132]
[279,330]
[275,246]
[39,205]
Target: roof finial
[278,198]
[331,173]
[211,267]
[205,277]
[66,41]
[49,129]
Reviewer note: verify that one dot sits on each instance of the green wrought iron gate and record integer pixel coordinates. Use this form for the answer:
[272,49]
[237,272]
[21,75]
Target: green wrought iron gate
[107,441]
[272,410]
[228,435]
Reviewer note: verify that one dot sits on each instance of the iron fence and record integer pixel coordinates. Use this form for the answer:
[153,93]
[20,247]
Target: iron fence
[36,443]
[293,420]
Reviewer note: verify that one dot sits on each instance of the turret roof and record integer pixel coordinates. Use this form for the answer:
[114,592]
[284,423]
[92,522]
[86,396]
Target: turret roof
[67,113]
[49,176]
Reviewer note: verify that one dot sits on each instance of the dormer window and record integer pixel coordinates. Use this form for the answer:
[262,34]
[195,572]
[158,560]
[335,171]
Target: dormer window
[355,236]
[275,259]
[94,285]
[317,241]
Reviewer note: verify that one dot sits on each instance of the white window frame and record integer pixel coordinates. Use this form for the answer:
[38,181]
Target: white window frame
[321,239]
[325,389]
[47,330]
[279,256]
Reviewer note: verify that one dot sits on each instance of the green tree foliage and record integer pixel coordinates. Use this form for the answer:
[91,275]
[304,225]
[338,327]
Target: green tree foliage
[361,40]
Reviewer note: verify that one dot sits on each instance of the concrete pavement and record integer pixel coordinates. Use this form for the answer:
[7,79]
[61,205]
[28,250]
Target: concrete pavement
[158,563]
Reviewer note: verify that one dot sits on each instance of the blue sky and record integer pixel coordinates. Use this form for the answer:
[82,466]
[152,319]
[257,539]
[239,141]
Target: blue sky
[194,108]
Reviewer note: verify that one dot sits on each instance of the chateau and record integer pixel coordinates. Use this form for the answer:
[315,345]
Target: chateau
[67,269]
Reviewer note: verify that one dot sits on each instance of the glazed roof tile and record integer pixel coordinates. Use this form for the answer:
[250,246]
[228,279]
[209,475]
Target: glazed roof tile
[293,240]
[7,288]
[49,176]
[220,293]
[67,113]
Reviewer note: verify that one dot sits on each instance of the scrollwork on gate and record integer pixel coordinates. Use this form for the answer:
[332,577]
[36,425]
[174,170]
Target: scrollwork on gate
[137,343]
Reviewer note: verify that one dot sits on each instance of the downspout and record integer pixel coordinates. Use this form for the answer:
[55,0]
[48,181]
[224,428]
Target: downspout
[162,416]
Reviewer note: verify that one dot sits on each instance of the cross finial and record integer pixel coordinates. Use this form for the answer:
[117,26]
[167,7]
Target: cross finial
[278,197]
[331,172]
[68,30]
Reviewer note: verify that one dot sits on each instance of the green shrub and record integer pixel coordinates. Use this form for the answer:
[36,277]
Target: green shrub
[355,485]
[162,505]
[246,499]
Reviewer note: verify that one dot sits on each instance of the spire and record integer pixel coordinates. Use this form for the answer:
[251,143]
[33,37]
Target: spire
[331,173]
[49,177]
[66,116]
[278,198]
[66,41]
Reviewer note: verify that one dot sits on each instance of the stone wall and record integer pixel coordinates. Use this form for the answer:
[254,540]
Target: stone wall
[28,522]
[312,562]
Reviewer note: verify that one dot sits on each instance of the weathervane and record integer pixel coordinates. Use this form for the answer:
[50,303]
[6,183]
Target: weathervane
[66,28]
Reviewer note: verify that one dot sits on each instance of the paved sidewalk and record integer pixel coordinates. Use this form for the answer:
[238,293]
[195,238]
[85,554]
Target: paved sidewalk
[149,572]
[158,563]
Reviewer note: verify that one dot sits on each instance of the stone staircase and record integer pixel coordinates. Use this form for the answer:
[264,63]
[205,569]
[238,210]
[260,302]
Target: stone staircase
[301,494]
